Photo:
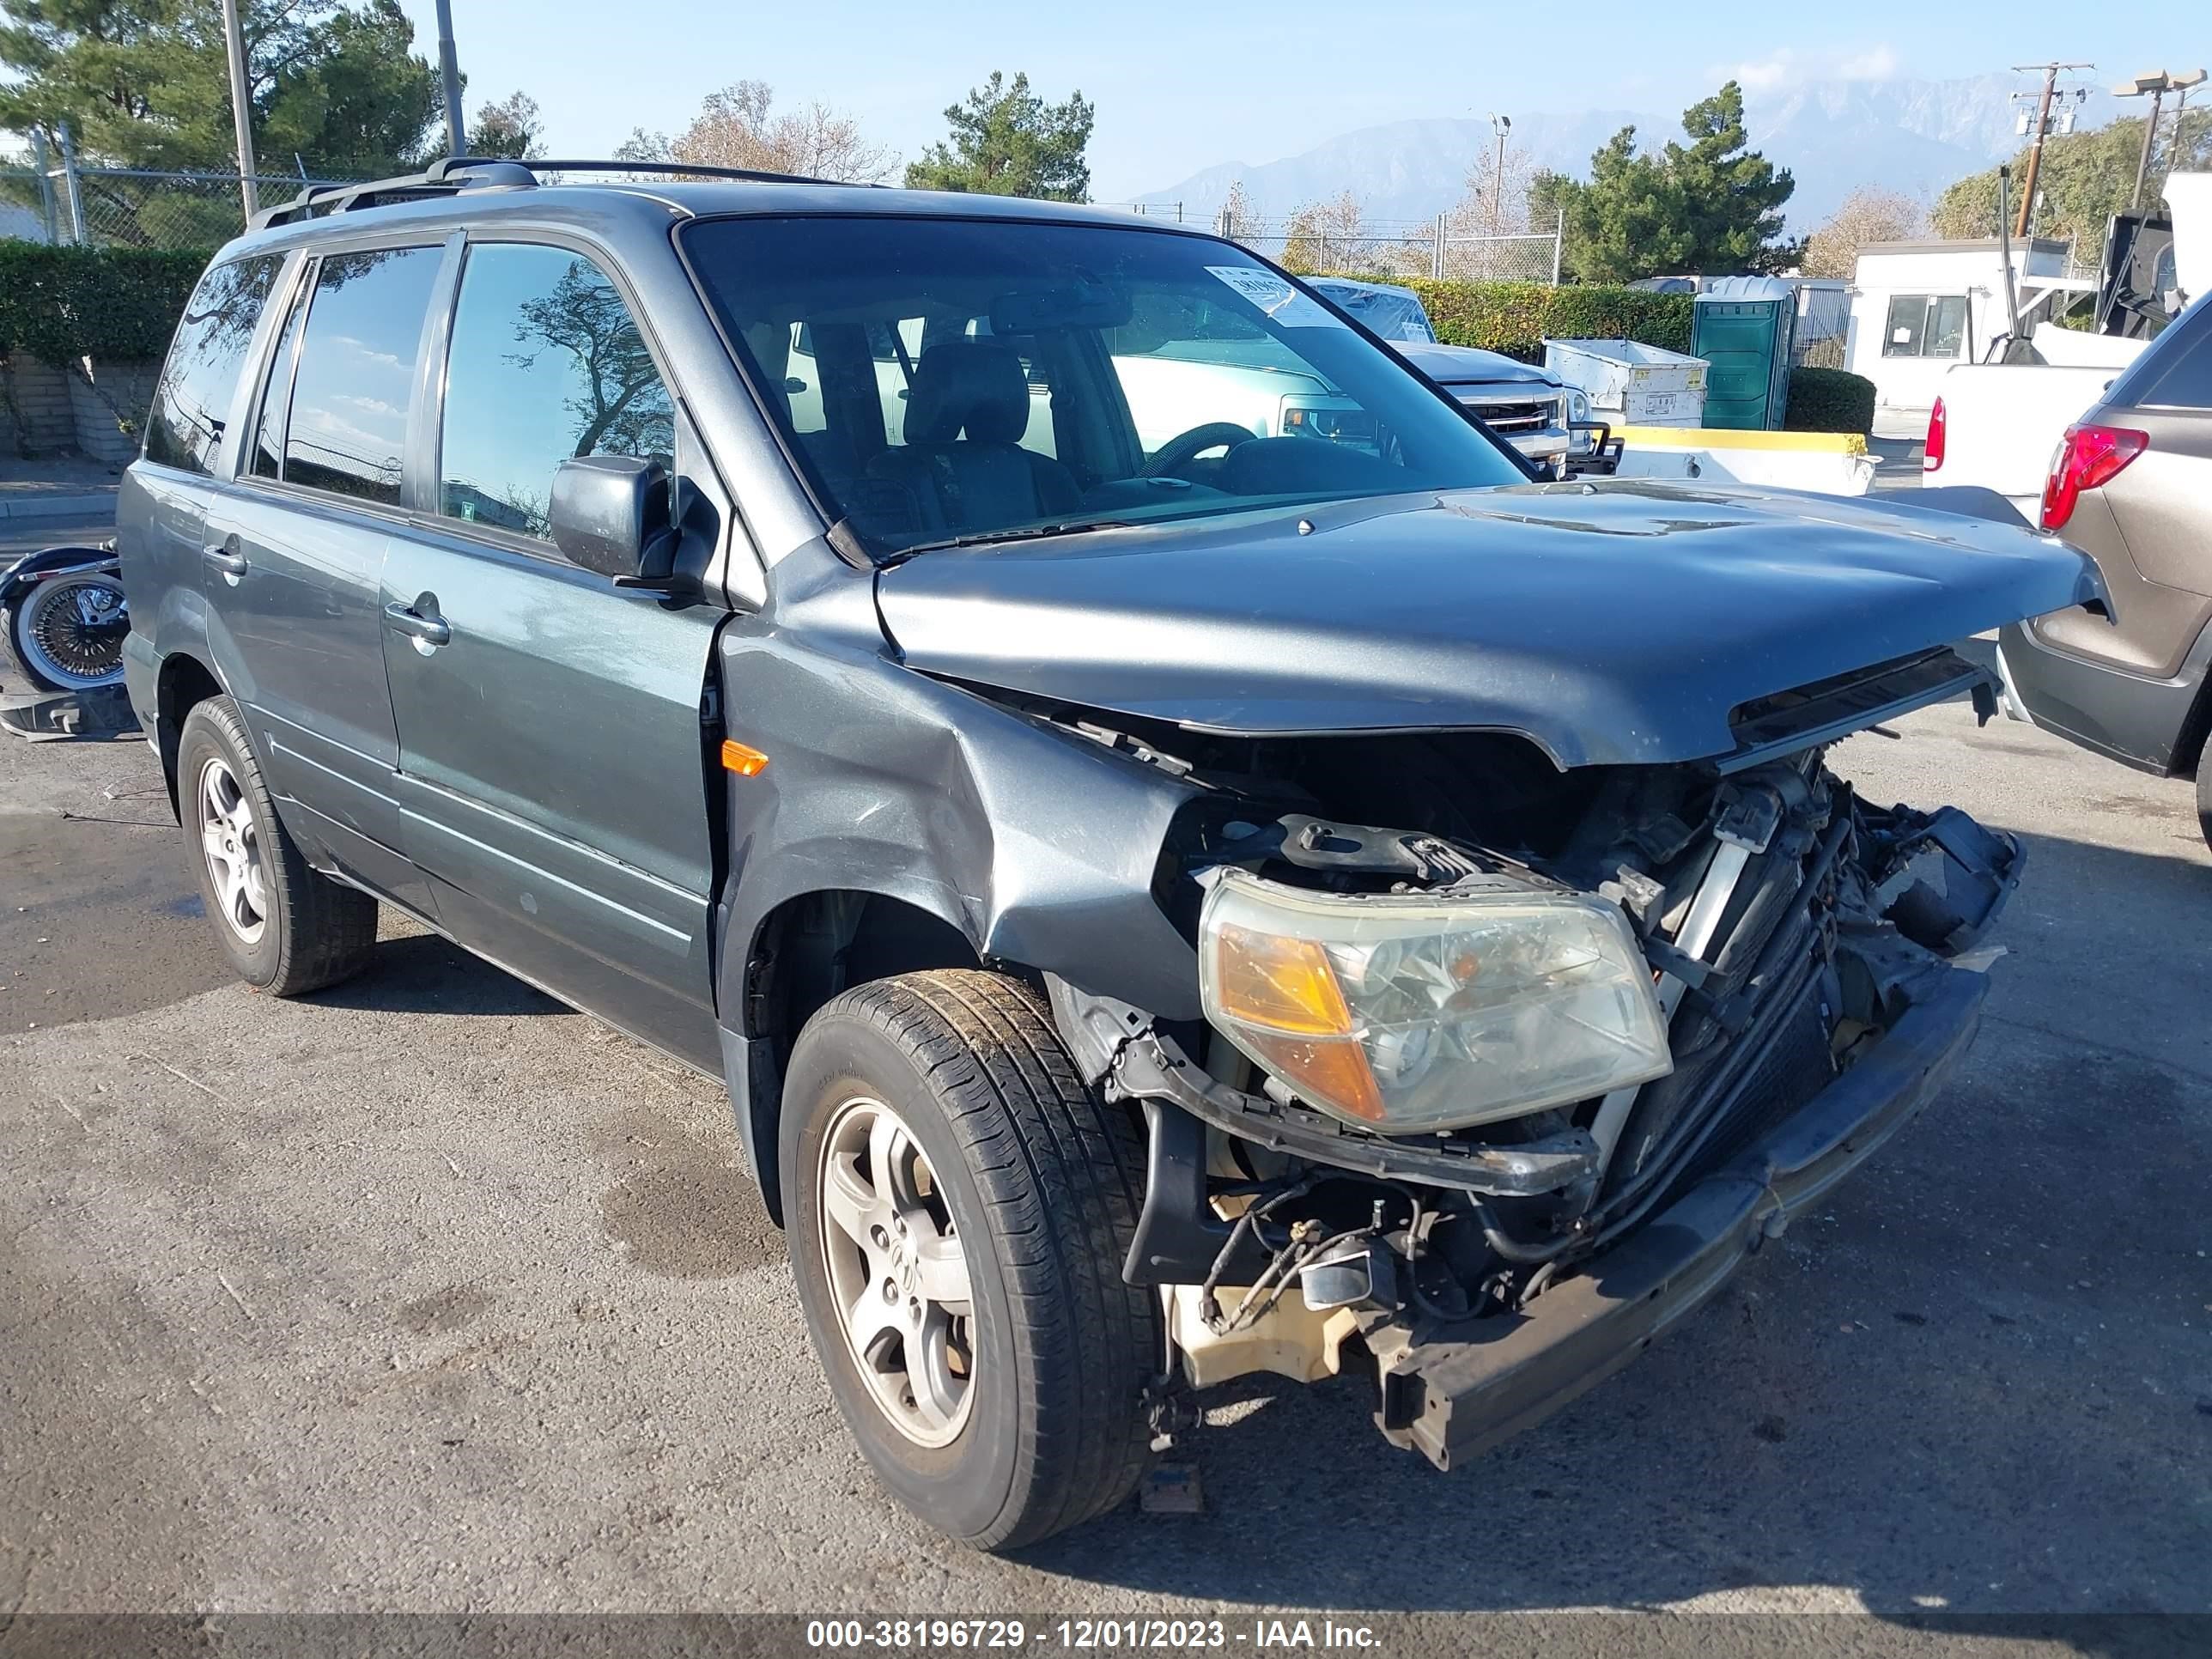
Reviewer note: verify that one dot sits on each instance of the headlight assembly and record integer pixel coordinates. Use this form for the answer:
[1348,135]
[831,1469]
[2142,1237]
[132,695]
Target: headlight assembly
[1422,1013]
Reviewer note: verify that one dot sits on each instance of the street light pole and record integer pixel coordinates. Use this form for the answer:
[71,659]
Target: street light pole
[1500,125]
[241,112]
[2155,85]
[2142,156]
[449,75]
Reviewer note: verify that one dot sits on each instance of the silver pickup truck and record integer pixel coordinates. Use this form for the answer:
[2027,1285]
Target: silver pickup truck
[1522,404]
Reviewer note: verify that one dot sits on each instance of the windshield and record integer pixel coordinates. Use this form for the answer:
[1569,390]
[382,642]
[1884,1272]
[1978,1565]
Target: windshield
[945,380]
[1395,313]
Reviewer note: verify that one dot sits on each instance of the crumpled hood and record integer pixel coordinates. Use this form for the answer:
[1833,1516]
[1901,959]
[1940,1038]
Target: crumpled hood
[1609,622]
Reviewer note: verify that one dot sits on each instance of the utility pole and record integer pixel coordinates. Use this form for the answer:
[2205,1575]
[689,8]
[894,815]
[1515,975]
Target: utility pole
[2051,74]
[242,113]
[449,76]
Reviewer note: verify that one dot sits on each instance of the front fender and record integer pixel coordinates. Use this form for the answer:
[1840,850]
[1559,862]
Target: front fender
[1038,846]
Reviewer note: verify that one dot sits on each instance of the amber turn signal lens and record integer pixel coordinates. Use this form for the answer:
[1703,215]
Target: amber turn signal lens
[746,762]
[1279,984]
[1337,1072]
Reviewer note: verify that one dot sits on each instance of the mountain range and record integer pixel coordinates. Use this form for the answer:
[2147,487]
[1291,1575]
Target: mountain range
[1911,135]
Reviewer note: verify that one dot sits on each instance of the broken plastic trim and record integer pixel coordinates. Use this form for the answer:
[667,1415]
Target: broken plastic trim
[1789,722]
[1151,1065]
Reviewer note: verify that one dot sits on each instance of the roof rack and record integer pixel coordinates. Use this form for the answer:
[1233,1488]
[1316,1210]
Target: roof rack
[456,173]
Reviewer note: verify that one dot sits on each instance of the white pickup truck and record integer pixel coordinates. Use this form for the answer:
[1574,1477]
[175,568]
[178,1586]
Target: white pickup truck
[1997,424]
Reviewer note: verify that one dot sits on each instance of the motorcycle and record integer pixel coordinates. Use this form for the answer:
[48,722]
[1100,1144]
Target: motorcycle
[66,616]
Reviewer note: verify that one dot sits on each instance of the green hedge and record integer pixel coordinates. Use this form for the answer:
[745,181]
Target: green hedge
[1829,400]
[1517,318]
[112,305]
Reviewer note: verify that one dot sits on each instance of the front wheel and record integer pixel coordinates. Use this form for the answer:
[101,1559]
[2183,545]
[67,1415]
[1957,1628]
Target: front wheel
[959,1205]
[67,632]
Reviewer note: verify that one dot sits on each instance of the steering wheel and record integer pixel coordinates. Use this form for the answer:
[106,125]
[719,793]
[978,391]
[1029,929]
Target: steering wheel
[1189,445]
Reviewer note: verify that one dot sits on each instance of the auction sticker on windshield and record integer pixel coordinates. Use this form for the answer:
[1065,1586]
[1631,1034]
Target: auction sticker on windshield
[1282,302]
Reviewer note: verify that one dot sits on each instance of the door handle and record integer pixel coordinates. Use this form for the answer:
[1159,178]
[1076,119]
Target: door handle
[406,619]
[226,558]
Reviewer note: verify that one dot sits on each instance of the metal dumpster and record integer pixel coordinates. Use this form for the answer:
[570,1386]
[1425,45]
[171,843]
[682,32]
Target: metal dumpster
[1631,383]
[1741,326]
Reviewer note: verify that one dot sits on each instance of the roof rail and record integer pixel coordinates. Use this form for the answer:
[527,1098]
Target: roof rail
[455,174]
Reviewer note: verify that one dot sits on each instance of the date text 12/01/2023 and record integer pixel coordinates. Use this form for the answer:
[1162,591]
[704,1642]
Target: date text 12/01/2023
[1086,1635]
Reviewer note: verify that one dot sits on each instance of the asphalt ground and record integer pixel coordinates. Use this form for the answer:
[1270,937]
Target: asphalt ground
[427,1294]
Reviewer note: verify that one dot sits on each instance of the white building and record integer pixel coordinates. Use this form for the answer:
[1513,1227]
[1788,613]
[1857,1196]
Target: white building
[1918,307]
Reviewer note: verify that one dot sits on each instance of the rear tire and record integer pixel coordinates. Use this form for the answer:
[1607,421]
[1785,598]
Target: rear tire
[285,928]
[991,1147]
[54,645]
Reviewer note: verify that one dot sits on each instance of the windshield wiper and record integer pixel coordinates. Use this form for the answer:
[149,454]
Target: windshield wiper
[1032,533]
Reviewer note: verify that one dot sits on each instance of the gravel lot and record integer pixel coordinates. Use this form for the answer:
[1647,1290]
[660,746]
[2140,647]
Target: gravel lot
[428,1293]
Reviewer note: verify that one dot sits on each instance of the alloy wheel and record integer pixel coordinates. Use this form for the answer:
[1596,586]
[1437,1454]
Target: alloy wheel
[897,1272]
[230,841]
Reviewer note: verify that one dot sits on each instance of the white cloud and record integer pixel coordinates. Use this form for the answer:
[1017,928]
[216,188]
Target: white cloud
[1788,67]
[1875,64]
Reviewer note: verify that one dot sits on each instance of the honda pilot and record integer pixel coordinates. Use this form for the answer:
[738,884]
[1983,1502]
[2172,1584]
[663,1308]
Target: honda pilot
[1292,897]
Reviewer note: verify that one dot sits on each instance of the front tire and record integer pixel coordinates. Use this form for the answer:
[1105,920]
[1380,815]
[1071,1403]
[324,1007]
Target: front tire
[284,927]
[959,1206]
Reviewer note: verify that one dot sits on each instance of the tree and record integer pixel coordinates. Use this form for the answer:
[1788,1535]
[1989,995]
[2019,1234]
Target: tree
[1006,141]
[144,83]
[510,128]
[1730,194]
[621,406]
[1237,219]
[1327,236]
[1494,199]
[2085,179]
[734,128]
[1627,221]
[1495,202]
[1711,205]
[1868,215]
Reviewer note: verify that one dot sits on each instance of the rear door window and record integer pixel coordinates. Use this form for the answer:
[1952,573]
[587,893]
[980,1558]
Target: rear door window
[199,383]
[546,365]
[347,433]
[2186,381]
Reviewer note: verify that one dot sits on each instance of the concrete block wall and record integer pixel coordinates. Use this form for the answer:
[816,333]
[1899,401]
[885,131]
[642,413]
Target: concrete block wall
[109,402]
[36,416]
[49,408]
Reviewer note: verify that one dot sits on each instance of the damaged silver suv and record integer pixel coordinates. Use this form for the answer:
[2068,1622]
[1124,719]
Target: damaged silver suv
[1297,894]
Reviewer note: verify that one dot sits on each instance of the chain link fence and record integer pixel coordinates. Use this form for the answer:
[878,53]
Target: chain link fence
[128,207]
[1324,239]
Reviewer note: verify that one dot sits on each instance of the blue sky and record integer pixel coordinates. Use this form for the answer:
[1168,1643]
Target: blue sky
[1180,86]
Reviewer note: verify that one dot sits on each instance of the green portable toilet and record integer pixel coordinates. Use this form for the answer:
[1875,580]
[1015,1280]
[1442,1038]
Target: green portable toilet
[1743,325]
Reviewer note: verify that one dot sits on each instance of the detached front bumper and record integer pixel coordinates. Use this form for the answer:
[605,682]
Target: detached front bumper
[1453,1391]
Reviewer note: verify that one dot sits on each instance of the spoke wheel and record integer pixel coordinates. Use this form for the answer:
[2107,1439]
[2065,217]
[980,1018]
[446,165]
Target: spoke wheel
[230,841]
[70,633]
[894,1264]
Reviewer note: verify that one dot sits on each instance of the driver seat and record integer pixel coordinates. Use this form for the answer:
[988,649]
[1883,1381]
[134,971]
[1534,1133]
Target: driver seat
[962,467]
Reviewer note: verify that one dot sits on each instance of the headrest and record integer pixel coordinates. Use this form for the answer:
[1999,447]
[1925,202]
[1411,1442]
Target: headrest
[972,386]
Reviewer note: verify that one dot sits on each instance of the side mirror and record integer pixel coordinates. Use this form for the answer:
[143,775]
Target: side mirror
[611,514]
